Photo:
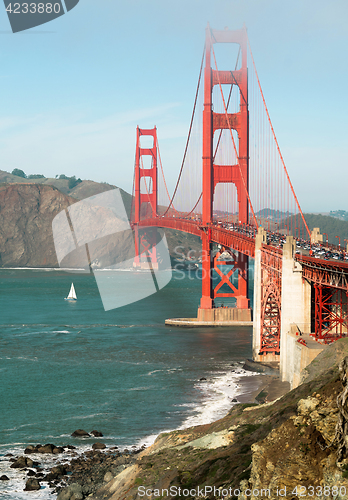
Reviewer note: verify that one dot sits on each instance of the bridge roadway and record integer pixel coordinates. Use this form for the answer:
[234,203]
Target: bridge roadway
[315,270]
[232,239]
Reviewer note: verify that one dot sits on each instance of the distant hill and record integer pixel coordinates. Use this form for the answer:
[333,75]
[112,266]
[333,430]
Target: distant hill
[28,207]
[26,214]
[329,225]
[83,190]
[339,214]
[332,226]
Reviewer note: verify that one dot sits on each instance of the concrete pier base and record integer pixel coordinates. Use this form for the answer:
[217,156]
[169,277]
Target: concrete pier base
[227,316]
[224,314]
[146,265]
[267,358]
[301,350]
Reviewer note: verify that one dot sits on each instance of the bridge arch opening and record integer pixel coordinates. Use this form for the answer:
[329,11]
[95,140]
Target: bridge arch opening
[146,141]
[225,205]
[227,56]
[146,186]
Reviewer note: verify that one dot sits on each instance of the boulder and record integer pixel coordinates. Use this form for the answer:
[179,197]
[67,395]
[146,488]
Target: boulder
[32,484]
[59,469]
[97,434]
[22,463]
[108,476]
[57,449]
[80,433]
[46,448]
[4,478]
[30,449]
[72,492]
[98,446]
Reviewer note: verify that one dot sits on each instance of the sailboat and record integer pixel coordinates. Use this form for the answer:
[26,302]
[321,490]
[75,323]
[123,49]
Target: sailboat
[72,293]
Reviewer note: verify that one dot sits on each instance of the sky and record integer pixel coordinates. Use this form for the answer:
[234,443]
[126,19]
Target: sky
[72,91]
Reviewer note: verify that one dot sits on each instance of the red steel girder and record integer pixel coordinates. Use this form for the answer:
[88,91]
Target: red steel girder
[323,272]
[330,313]
[239,264]
[271,284]
[235,241]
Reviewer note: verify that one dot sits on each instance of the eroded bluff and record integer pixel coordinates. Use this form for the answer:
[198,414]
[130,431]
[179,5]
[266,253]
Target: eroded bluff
[294,447]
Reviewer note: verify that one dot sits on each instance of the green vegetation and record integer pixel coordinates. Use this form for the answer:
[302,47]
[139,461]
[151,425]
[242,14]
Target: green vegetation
[329,225]
[339,214]
[19,173]
[332,226]
[304,447]
[36,176]
[249,429]
[73,182]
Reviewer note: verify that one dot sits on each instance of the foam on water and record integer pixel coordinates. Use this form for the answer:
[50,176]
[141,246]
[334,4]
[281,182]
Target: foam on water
[217,393]
[122,372]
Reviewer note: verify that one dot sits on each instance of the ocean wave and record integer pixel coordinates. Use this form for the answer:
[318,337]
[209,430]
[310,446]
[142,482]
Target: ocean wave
[84,417]
[141,388]
[217,393]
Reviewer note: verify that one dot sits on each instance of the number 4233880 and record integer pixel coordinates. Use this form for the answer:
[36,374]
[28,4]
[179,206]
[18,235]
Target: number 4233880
[34,8]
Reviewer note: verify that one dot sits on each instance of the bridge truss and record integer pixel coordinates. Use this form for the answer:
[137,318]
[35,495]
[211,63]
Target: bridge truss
[232,180]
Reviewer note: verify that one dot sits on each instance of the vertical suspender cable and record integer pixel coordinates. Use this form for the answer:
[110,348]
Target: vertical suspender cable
[274,136]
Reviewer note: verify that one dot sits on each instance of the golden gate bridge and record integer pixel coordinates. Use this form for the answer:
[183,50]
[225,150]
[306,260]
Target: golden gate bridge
[234,190]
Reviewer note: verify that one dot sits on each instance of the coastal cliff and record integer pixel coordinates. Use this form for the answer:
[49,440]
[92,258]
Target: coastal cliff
[26,214]
[290,447]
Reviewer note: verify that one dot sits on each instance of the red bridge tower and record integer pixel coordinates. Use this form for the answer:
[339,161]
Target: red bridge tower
[145,193]
[214,174]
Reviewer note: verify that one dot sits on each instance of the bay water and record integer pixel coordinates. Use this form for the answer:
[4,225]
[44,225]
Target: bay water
[71,365]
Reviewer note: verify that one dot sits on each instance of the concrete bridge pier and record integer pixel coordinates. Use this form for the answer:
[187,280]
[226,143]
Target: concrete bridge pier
[281,299]
[261,238]
[295,308]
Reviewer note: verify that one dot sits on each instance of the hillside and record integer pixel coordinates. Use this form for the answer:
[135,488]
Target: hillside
[329,225]
[26,214]
[291,444]
[27,210]
[82,190]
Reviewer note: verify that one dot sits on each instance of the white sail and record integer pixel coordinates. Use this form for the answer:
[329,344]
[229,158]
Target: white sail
[72,293]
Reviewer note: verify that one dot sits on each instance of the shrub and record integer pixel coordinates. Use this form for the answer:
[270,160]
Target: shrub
[18,172]
[73,182]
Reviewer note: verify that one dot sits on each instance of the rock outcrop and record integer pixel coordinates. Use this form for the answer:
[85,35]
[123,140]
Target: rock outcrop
[26,238]
[26,214]
[287,448]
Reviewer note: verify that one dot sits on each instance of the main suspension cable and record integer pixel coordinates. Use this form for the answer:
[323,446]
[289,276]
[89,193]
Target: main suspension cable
[275,139]
[189,134]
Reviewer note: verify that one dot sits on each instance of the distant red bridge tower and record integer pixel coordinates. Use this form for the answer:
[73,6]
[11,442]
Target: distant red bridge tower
[145,192]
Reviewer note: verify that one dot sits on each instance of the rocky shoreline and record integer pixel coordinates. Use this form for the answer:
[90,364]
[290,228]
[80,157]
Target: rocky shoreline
[85,471]
[296,444]
[278,442]
[74,474]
